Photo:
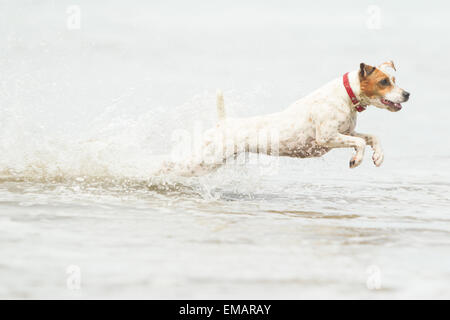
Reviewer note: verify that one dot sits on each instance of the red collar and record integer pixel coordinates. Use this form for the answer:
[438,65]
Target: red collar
[356,103]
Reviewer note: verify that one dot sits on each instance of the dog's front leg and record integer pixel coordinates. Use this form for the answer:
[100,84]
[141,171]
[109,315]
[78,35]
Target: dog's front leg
[333,139]
[372,141]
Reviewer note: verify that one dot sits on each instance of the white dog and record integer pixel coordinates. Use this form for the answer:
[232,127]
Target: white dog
[312,126]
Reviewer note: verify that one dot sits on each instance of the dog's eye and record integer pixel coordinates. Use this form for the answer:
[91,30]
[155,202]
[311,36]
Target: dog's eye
[384,82]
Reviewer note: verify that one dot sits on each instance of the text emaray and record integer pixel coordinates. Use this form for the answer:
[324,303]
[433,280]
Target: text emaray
[227,309]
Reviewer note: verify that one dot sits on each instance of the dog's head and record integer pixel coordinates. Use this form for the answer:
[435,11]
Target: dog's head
[378,87]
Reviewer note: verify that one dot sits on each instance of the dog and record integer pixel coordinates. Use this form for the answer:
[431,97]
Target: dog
[312,126]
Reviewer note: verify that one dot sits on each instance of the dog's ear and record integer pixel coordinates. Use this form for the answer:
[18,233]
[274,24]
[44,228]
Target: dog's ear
[365,70]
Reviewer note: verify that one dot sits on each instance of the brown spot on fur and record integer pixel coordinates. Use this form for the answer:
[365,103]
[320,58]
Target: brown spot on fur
[369,78]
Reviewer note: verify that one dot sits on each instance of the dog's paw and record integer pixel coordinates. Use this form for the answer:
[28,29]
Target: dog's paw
[378,158]
[355,161]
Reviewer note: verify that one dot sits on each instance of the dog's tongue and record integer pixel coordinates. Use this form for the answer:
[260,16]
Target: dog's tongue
[398,105]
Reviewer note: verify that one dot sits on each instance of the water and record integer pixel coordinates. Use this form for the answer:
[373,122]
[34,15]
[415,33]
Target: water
[86,115]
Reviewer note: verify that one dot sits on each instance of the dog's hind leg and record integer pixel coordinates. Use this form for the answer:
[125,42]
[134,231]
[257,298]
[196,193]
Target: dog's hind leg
[372,141]
[212,154]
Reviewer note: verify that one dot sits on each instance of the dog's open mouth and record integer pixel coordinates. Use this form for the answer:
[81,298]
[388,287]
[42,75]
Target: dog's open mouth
[393,106]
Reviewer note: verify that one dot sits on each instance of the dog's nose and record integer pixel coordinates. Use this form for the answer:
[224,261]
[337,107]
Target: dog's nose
[406,95]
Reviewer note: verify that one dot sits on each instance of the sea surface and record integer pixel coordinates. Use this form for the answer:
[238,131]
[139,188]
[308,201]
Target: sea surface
[93,96]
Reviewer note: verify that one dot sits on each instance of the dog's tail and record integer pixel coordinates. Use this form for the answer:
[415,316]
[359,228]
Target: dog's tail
[220,105]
